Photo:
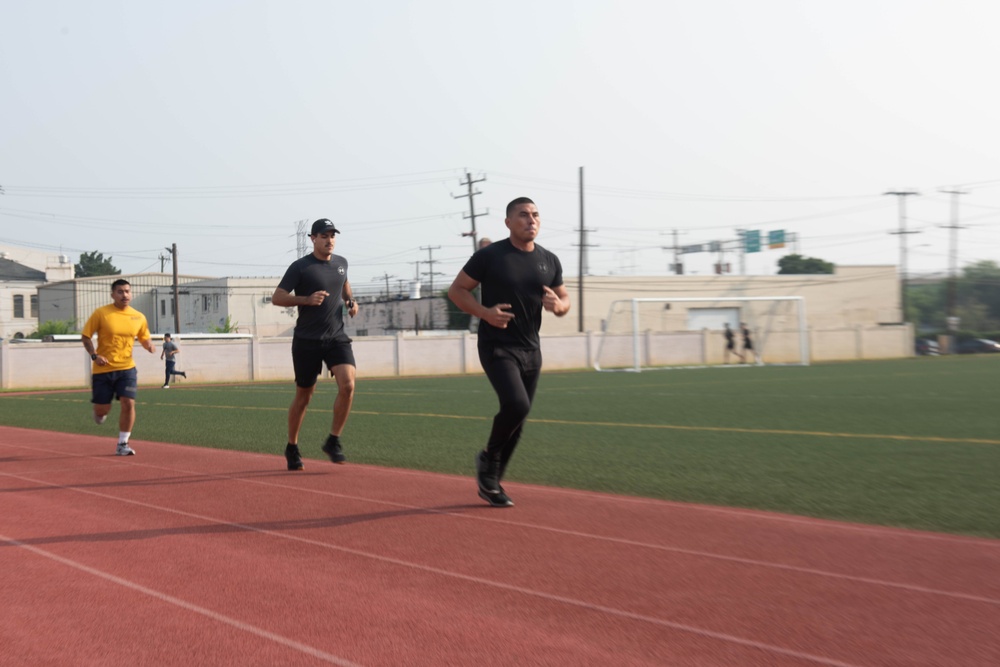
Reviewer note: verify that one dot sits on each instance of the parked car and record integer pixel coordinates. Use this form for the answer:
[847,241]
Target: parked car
[926,346]
[977,346]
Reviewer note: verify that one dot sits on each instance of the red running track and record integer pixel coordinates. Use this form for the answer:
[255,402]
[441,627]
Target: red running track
[183,556]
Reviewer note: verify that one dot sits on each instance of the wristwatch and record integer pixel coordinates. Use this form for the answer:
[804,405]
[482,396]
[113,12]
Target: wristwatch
[93,357]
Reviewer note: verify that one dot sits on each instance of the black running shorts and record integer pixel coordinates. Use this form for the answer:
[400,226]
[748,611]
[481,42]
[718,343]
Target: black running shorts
[308,357]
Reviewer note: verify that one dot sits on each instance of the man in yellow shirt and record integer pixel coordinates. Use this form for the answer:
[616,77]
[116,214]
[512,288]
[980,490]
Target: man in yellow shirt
[113,374]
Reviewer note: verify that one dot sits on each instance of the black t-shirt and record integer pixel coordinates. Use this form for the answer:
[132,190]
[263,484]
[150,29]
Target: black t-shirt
[311,274]
[509,275]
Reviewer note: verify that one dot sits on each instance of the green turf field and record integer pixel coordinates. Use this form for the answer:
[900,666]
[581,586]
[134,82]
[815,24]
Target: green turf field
[910,442]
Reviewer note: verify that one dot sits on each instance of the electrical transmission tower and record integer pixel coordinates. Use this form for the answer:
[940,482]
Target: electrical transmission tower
[301,249]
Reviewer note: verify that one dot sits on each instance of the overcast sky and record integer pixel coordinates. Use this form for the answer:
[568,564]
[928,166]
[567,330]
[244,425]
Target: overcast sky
[126,127]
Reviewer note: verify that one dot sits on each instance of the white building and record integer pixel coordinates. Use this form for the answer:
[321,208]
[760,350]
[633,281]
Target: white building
[22,271]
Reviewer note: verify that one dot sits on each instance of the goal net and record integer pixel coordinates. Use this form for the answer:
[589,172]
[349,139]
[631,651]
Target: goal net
[652,333]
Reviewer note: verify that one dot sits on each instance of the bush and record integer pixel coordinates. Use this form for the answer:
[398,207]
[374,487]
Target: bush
[54,328]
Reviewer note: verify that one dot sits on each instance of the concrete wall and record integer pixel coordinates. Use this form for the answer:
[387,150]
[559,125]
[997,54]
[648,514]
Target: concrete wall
[36,365]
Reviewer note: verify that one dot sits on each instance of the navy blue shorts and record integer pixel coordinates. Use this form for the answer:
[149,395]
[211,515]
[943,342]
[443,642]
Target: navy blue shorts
[116,384]
[308,357]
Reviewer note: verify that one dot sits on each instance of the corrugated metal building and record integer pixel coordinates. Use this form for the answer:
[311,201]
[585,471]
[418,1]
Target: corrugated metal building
[75,300]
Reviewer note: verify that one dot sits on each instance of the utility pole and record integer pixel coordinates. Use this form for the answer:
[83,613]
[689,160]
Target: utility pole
[678,269]
[163,259]
[742,249]
[472,207]
[386,277]
[177,304]
[583,259]
[719,247]
[951,322]
[902,195]
[430,272]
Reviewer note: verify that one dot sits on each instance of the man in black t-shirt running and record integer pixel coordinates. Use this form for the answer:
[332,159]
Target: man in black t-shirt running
[519,279]
[317,285]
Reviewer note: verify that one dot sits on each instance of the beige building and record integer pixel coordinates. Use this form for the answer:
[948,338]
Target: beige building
[851,296]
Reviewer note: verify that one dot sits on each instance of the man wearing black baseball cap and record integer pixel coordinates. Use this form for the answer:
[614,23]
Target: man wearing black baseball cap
[323,225]
[317,285]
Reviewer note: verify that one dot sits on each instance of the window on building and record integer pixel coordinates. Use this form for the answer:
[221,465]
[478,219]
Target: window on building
[163,307]
[34,306]
[19,305]
[204,303]
[218,298]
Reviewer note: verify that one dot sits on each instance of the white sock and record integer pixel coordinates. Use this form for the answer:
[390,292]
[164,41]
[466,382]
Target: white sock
[123,436]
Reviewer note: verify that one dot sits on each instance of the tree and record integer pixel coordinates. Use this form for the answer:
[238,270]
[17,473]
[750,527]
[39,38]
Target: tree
[979,296]
[926,303]
[93,264]
[977,299]
[799,264]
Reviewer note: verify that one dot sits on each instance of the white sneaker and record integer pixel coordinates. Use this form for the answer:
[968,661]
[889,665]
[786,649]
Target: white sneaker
[166,386]
[124,450]
[99,420]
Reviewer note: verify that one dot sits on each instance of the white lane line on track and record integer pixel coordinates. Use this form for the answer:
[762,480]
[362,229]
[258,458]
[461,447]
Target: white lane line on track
[177,602]
[826,524]
[751,562]
[620,613]
[912,588]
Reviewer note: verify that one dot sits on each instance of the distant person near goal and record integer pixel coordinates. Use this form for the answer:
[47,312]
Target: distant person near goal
[748,348]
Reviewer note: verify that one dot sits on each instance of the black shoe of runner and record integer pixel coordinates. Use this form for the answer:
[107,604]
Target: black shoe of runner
[293,457]
[487,474]
[333,449]
[496,499]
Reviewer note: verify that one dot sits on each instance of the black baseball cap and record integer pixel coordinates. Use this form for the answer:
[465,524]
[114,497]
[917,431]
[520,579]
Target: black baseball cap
[323,225]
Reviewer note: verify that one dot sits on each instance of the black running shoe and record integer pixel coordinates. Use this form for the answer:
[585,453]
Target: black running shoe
[293,457]
[496,499]
[487,474]
[333,449]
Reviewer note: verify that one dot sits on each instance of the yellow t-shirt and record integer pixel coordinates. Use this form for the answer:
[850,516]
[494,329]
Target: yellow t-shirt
[116,332]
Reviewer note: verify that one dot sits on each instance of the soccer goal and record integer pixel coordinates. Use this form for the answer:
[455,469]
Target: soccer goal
[653,333]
